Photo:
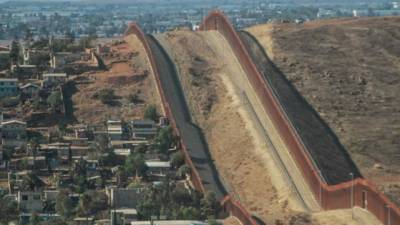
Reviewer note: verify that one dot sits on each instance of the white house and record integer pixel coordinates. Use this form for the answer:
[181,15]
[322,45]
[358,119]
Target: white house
[53,79]
[158,168]
[13,133]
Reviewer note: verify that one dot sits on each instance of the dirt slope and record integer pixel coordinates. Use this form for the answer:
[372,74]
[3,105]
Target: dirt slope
[349,71]
[128,73]
[231,143]
[239,156]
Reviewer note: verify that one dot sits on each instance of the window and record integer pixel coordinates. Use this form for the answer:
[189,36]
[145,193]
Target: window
[36,197]
[24,197]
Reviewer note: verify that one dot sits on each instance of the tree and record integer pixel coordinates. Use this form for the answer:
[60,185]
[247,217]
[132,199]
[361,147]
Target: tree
[164,139]
[134,98]
[14,53]
[35,219]
[54,100]
[177,159]
[64,204]
[183,171]
[151,113]
[31,182]
[189,213]
[106,95]
[102,143]
[135,165]
[209,205]
[84,204]
[141,148]
[8,211]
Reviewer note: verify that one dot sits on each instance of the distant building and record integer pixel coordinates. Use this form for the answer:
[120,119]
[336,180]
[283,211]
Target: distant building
[13,133]
[61,59]
[35,56]
[8,87]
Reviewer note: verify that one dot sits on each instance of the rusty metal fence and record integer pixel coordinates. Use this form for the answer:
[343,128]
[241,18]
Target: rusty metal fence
[359,192]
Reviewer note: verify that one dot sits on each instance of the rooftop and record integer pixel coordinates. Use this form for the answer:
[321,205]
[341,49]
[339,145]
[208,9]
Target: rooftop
[165,164]
[54,75]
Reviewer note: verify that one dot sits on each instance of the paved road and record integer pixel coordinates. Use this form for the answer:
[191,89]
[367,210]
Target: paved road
[190,133]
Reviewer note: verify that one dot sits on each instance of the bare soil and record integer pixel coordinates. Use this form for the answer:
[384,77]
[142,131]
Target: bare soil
[128,72]
[349,71]
[233,147]
[231,221]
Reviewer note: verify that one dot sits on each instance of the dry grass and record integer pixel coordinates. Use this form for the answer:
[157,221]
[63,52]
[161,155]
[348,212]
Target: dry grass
[348,70]
[128,73]
[237,154]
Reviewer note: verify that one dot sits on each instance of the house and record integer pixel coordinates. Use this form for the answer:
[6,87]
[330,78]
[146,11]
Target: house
[50,195]
[30,89]
[25,71]
[60,59]
[13,133]
[62,150]
[127,143]
[24,218]
[30,201]
[4,59]
[35,56]
[114,129]
[8,87]
[79,151]
[123,216]
[122,152]
[124,197]
[53,79]
[158,168]
[143,129]
[83,221]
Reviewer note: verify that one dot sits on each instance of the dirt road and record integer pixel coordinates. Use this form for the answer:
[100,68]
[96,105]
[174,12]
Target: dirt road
[190,134]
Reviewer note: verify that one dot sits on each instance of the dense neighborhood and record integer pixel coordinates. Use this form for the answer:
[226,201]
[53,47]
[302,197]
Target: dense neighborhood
[56,169]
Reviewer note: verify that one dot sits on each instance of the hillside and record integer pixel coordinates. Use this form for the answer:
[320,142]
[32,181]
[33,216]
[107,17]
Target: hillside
[240,153]
[348,70]
[128,73]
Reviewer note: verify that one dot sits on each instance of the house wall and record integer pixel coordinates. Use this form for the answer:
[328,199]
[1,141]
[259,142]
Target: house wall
[8,88]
